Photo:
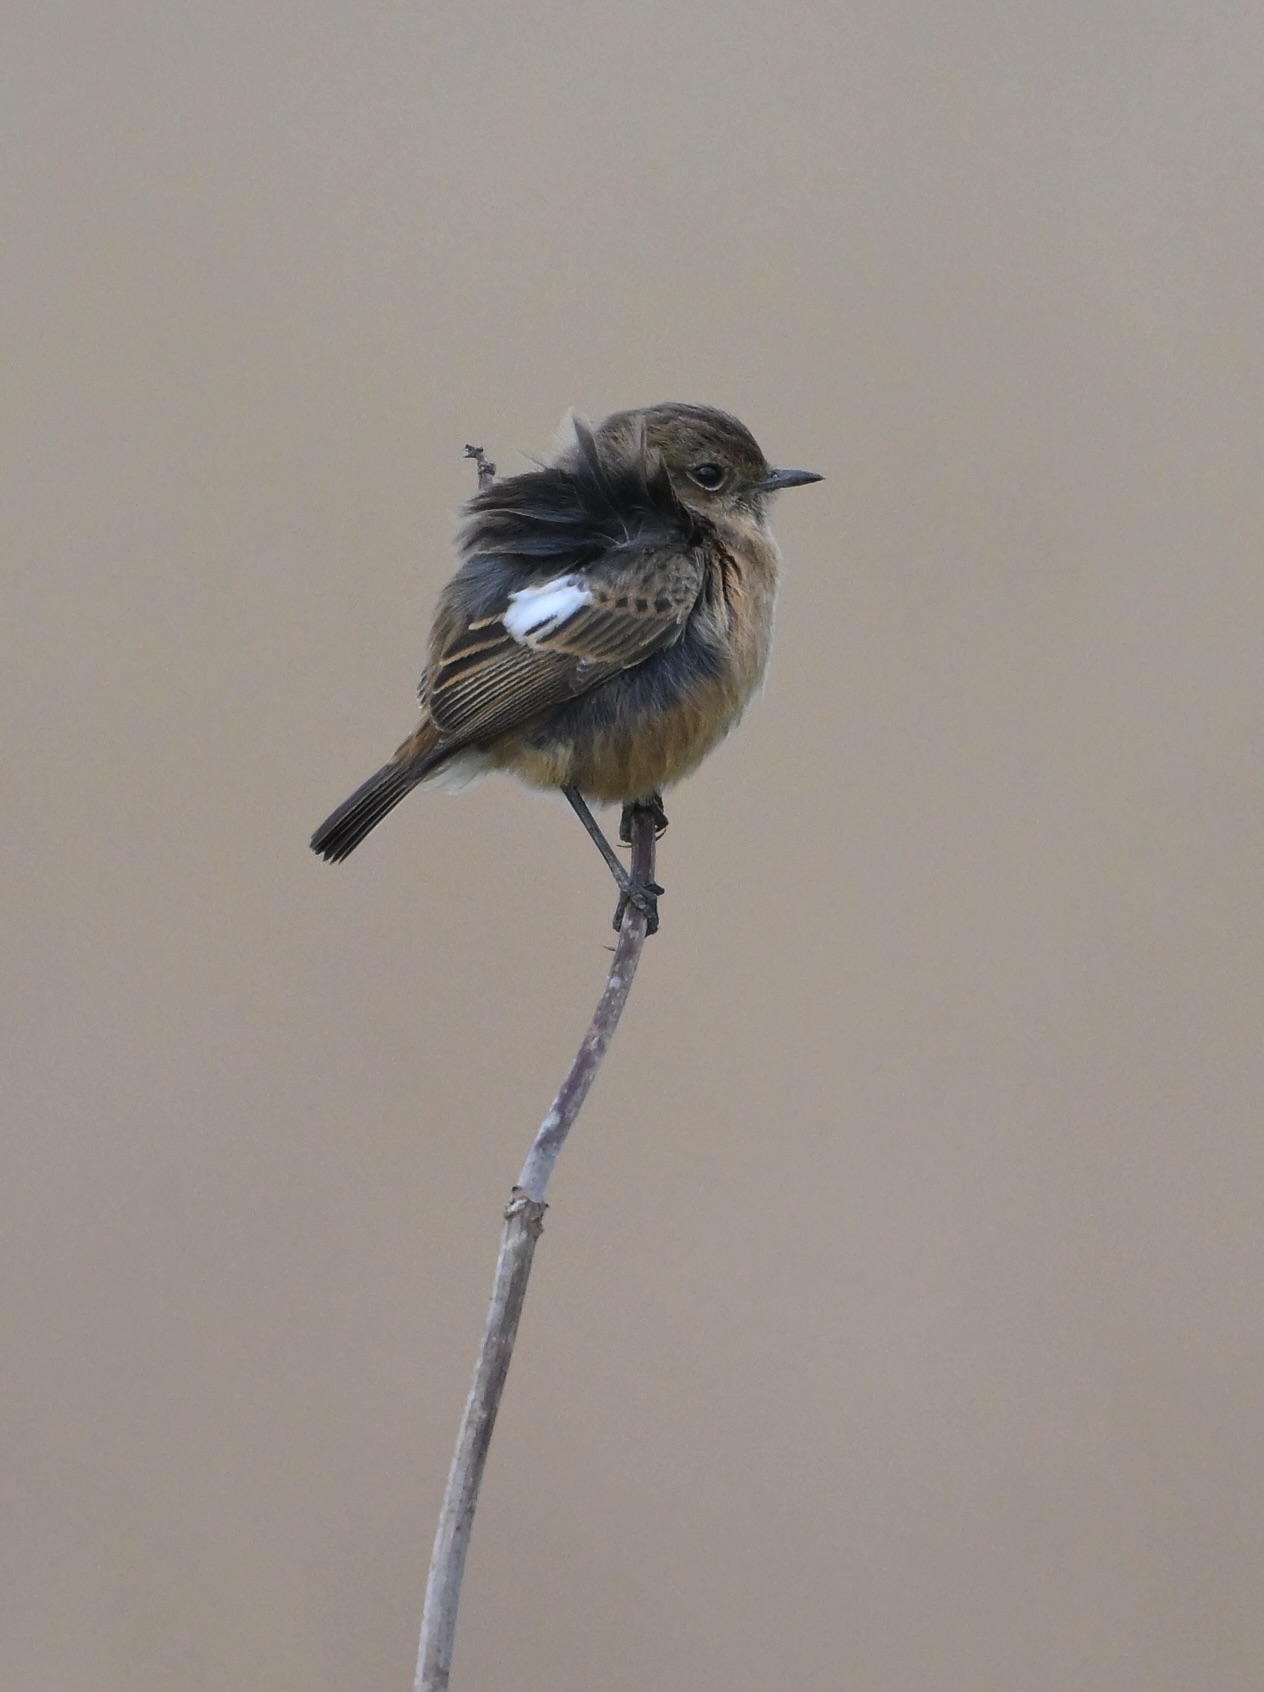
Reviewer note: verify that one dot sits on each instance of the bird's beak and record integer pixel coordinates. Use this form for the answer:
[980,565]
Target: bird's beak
[775,480]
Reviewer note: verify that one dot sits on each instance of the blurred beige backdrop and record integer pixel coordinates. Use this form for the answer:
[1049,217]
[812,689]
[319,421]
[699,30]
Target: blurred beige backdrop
[898,1322]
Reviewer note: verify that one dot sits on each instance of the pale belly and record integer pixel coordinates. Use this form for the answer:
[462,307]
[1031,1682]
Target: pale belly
[629,757]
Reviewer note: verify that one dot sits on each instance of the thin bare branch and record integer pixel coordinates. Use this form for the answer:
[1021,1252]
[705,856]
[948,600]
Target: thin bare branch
[524,1220]
[486,469]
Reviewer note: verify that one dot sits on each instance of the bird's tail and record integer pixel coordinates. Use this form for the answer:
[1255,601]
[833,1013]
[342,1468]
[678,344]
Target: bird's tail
[345,828]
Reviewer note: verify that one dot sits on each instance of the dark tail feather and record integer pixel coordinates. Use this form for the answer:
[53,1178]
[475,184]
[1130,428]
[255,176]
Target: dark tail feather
[343,831]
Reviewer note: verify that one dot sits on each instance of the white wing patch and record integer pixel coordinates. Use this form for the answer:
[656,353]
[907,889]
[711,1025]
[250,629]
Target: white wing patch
[536,612]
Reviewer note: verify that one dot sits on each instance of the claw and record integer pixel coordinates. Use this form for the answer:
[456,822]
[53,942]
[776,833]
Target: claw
[644,895]
[654,805]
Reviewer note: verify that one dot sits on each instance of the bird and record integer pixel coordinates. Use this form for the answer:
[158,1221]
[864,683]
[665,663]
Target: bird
[609,621]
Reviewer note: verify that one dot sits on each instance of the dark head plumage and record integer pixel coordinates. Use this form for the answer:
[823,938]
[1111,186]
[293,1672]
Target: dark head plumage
[714,463]
[687,440]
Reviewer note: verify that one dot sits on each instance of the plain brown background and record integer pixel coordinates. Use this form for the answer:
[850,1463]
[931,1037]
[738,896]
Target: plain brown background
[897,1326]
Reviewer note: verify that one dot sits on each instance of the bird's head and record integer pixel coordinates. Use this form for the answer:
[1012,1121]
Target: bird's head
[714,462]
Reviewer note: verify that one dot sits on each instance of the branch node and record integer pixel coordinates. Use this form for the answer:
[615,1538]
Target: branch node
[531,1210]
[486,469]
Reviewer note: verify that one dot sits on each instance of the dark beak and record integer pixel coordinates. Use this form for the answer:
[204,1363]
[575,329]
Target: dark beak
[775,480]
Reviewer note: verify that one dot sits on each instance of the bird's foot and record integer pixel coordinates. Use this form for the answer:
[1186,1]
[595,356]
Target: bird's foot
[644,896]
[654,805]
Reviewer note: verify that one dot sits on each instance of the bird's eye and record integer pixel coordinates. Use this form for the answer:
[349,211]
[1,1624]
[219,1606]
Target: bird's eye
[707,476]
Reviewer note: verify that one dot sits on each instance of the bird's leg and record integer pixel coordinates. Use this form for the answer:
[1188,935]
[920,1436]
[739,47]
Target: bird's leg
[654,804]
[644,897]
[653,808]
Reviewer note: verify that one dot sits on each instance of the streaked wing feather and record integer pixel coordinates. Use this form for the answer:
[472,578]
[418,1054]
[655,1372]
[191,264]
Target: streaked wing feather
[501,690]
[482,681]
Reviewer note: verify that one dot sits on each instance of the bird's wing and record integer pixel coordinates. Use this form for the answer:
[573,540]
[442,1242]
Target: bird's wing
[552,638]
[571,574]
